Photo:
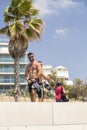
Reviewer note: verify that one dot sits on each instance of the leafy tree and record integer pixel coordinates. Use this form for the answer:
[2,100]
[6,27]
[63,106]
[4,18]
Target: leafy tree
[79,90]
[22,25]
[53,76]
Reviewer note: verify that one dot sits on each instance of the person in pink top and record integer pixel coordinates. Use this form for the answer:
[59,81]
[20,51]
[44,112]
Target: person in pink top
[59,89]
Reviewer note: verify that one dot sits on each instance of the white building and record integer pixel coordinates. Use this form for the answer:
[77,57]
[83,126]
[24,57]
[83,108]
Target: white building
[47,69]
[62,73]
[7,68]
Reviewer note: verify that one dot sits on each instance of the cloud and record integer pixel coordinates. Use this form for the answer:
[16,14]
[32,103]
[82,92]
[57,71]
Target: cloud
[54,6]
[67,3]
[45,7]
[61,31]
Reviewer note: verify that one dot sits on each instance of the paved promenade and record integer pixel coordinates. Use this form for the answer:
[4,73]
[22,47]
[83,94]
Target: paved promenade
[43,116]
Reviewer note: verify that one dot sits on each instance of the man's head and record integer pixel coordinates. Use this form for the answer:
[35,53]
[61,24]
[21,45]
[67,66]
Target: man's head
[59,84]
[31,56]
[40,63]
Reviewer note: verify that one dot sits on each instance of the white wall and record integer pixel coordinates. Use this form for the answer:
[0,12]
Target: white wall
[43,116]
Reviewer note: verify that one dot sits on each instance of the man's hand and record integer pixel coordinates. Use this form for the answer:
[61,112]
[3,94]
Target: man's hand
[29,81]
[33,80]
[52,81]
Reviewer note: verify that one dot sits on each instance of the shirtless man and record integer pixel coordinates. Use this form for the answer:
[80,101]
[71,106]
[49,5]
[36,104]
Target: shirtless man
[41,81]
[32,74]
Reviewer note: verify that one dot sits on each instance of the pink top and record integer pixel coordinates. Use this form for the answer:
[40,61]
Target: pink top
[58,91]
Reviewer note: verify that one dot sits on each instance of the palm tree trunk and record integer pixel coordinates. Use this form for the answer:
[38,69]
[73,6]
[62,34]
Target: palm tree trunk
[17,79]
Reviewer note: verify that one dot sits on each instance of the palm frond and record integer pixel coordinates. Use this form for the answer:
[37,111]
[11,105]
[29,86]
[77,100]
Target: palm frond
[6,31]
[8,18]
[39,21]
[13,9]
[17,27]
[25,6]
[34,12]
[3,30]
[32,35]
[36,25]
[10,14]
[7,10]
[15,3]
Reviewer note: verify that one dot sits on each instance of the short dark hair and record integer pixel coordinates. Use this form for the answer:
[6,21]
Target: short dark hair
[30,53]
[40,61]
[59,84]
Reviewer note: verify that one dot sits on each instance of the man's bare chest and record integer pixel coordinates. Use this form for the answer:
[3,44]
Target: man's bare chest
[33,68]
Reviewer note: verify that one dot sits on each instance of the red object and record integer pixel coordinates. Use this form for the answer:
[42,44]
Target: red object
[58,92]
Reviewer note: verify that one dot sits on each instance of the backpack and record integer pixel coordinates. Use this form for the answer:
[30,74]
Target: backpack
[63,96]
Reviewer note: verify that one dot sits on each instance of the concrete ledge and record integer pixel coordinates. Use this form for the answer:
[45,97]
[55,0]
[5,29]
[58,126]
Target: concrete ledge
[37,116]
[70,113]
[48,128]
[24,114]
[64,127]
[3,128]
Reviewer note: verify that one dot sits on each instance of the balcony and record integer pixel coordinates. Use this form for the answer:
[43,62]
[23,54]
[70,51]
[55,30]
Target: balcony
[8,84]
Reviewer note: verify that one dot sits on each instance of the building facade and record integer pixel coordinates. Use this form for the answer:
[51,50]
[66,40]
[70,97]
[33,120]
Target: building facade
[61,72]
[7,68]
[47,69]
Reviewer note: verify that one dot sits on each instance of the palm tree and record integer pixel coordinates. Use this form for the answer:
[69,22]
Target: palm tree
[22,25]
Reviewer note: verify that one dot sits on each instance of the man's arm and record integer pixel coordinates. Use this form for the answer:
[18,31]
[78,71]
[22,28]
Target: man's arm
[47,77]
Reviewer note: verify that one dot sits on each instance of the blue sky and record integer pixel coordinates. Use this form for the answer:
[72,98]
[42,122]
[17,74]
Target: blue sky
[64,41]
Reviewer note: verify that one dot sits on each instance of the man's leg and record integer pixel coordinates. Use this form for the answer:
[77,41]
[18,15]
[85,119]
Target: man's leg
[40,96]
[33,95]
[43,93]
